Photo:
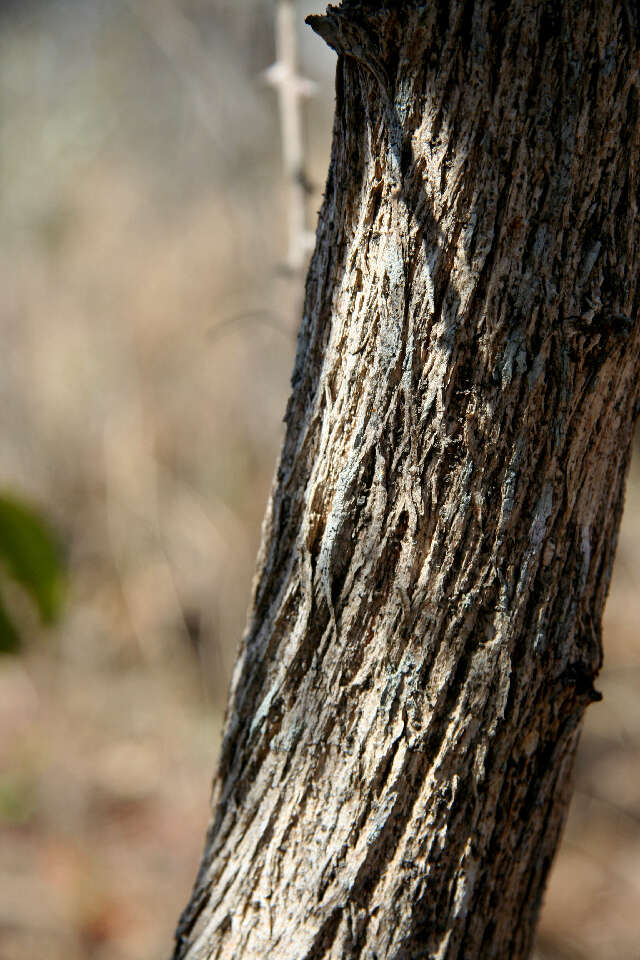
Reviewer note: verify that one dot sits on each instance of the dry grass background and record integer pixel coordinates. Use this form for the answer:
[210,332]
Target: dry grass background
[146,335]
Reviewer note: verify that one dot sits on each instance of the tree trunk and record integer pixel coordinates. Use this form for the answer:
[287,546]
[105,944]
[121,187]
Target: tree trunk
[425,625]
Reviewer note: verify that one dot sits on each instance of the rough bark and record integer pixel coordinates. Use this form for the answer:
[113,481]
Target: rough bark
[425,626]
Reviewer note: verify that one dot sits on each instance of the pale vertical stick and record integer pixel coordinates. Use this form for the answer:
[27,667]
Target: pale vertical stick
[291,128]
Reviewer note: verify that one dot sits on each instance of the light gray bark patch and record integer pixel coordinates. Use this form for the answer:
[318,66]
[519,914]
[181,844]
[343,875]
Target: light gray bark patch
[514,358]
[541,516]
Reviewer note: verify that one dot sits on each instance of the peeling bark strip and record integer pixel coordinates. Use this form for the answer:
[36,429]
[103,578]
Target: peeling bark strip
[425,626]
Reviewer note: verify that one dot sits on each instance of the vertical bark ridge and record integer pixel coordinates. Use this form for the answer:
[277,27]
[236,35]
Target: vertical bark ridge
[425,625]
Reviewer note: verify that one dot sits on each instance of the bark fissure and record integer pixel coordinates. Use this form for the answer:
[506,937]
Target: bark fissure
[424,634]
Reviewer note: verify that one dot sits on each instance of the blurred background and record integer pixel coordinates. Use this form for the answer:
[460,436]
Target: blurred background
[147,332]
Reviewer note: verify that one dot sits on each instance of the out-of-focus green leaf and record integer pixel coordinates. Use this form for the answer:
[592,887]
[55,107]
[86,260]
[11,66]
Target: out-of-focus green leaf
[31,555]
[18,798]
[9,637]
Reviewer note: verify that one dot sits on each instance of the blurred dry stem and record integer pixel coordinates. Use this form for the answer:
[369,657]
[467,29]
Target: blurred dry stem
[283,75]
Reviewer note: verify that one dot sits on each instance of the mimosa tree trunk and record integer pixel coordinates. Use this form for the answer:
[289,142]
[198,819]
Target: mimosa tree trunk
[425,625]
